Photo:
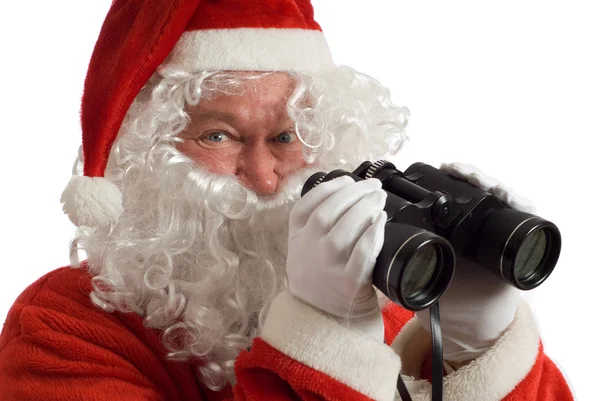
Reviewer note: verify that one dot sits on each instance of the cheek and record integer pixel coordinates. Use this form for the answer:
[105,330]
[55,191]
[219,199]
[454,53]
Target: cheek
[291,162]
[216,161]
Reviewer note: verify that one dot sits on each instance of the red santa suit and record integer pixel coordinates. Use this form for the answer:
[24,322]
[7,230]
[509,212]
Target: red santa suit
[56,346]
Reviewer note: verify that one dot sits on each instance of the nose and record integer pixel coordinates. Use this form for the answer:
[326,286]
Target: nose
[257,169]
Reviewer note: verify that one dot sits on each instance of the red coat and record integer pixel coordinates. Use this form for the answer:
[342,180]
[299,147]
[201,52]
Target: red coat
[57,346]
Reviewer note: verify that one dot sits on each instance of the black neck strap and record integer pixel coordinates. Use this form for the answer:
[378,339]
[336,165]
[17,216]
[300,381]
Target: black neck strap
[437,363]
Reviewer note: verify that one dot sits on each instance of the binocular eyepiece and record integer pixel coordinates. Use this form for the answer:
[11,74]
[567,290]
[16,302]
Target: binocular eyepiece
[433,218]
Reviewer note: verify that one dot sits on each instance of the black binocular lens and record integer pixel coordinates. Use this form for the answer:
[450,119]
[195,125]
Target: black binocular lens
[530,255]
[525,248]
[419,272]
[414,267]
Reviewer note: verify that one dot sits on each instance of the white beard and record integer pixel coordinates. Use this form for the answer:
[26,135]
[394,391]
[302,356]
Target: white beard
[200,257]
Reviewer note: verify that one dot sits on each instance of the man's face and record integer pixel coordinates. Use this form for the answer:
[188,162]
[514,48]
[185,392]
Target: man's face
[248,135]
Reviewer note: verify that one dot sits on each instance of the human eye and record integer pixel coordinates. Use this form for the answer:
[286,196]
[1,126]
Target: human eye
[217,137]
[213,139]
[286,137]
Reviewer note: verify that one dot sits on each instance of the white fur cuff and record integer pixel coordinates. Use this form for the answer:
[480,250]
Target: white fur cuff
[315,340]
[490,377]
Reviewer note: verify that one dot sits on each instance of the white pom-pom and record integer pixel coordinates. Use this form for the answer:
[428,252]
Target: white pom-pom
[92,201]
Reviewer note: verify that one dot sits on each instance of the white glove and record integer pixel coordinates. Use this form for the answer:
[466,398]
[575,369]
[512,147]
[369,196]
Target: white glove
[474,176]
[478,306]
[336,233]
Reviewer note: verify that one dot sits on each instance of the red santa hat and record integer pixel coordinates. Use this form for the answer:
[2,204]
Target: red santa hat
[138,36]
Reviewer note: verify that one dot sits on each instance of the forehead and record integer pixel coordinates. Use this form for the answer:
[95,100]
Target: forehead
[250,92]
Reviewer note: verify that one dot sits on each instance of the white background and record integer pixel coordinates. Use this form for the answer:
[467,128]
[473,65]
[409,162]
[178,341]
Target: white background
[512,87]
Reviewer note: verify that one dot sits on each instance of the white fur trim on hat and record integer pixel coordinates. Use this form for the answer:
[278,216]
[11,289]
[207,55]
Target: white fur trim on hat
[92,201]
[252,49]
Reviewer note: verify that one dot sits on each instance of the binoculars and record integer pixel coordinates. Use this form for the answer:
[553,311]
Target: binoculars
[433,218]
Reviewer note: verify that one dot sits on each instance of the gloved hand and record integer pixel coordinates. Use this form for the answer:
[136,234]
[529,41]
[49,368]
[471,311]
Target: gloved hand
[478,306]
[336,233]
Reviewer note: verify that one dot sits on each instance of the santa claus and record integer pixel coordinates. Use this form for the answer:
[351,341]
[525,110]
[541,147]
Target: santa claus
[199,273]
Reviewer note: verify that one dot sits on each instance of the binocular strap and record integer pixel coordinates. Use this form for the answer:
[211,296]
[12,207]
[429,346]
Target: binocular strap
[437,365]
